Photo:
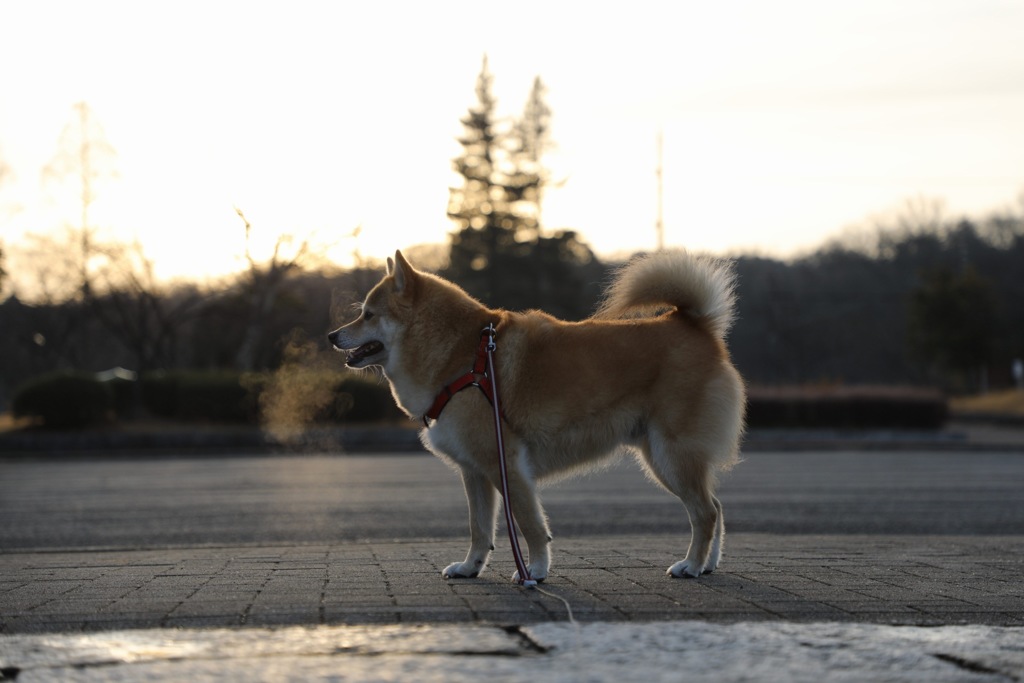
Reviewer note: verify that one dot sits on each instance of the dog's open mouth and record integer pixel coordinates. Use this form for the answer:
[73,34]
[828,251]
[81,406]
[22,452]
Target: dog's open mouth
[355,356]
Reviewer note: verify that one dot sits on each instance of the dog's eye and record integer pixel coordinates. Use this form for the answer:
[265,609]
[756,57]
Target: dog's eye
[367,315]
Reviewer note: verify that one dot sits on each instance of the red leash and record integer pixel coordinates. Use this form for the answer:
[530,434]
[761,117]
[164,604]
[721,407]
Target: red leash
[485,377]
[510,522]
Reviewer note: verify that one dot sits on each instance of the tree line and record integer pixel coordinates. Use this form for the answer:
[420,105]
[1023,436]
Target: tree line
[924,301]
[938,305]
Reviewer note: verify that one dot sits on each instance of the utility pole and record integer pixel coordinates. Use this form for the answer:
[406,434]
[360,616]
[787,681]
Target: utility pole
[659,225]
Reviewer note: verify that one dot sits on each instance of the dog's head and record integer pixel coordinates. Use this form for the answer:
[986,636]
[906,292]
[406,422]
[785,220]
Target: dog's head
[370,338]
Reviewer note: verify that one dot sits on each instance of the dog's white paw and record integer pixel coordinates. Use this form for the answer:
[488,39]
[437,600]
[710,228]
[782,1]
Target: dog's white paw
[686,569]
[461,570]
[537,573]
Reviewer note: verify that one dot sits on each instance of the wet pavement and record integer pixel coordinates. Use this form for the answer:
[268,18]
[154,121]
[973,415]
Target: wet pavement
[596,652]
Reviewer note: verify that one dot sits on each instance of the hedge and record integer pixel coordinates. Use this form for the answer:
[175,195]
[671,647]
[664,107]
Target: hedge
[74,400]
[207,396]
[229,396]
[363,400]
[846,408]
[65,400]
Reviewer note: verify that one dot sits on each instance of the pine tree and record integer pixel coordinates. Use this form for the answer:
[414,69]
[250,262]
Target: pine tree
[494,209]
[532,141]
[498,253]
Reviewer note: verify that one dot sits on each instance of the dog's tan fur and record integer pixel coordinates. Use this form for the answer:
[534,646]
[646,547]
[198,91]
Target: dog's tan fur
[572,393]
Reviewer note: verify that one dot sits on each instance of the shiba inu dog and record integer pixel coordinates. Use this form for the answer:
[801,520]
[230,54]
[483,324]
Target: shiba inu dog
[649,372]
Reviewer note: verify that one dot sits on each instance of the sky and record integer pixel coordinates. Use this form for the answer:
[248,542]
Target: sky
[783,123]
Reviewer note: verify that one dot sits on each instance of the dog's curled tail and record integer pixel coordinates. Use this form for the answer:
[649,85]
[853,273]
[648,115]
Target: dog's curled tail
[700,286]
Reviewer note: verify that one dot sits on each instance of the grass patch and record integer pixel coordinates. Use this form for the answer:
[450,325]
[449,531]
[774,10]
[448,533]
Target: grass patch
[1007,402]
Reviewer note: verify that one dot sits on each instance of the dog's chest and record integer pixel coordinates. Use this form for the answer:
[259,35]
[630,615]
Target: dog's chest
[443,439]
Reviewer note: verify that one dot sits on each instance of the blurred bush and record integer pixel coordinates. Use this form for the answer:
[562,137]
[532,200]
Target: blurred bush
[846,408]
[291,395]
[207,396]
[295,397]
[64,400]
[298,395]
[360,399]
[124,393]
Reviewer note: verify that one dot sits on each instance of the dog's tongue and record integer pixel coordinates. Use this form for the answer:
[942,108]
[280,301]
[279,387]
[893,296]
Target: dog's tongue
[367,349]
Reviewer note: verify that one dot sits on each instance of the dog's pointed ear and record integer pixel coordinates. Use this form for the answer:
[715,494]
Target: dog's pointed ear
[404,273]
[390,268]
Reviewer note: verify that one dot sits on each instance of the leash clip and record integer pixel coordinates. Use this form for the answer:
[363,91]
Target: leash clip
[491,332]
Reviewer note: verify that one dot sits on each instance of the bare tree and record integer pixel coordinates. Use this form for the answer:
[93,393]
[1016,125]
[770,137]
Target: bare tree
[262,284]
[135,307]
[84,159]
[6,174]
[50,266]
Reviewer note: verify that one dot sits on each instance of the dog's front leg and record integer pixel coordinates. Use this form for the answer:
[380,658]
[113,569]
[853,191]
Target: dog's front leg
[530,518]
[483,508]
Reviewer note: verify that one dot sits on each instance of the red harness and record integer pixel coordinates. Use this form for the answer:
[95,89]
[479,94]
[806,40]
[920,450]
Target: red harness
[485,376]
[477,377]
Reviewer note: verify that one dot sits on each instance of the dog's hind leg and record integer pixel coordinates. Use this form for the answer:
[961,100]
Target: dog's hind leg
[685,473]
[483,507]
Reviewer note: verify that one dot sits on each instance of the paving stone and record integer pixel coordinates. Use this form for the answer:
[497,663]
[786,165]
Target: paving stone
[607,578]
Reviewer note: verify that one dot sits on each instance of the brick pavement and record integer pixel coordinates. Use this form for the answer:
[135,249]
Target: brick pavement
[913,580]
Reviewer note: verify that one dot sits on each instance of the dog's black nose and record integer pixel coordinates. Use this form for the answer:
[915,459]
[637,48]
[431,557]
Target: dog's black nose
[332,338]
